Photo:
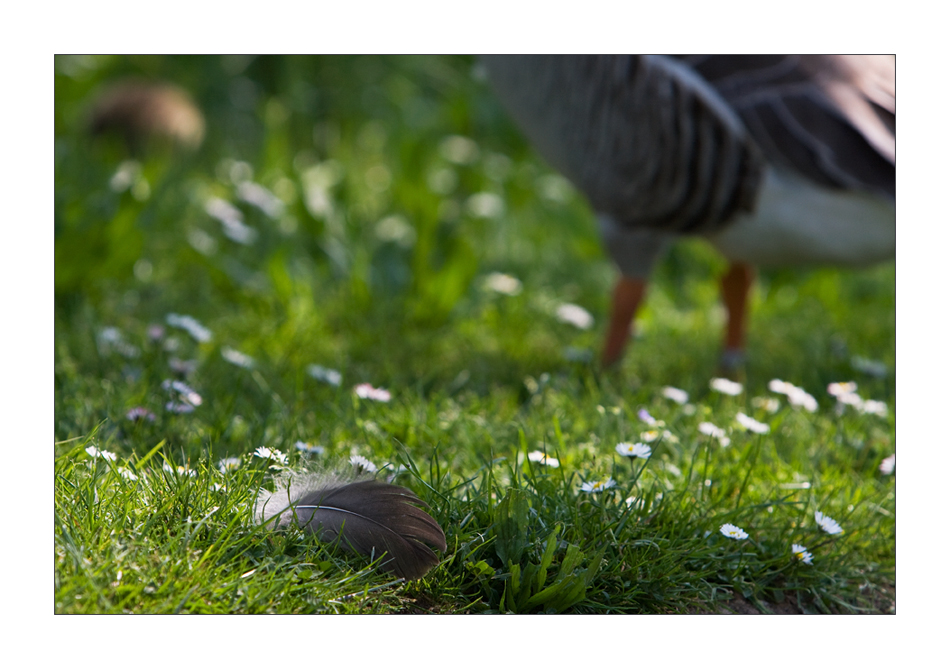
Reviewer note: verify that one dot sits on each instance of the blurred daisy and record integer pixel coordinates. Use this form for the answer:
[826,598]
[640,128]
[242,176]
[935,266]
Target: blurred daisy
[368,392]
[598,486]
[228,464]
[850,399]
[155,332]
[645,416]
[362,464]
[733,532]
[266,453]
[105,455]
[752,424]
[800,398]
[232,221]
[842,388]
[828,524]
[541,458]
[637,450]
[779,386]
[140,413]
[459,150]
[179,407]
[888,464]
[796,396]
[237,358]
[650,435]
[769,404]
[179,470]
[186,392]
[310,449]
[577,316]
[711,430]
[725,386]
[260,197]
[485,205]
[869,367]
[675,394]
[127,474]
[502,283]
[801,553]
[325,374]
[198,331]
[183,367]
[875,407]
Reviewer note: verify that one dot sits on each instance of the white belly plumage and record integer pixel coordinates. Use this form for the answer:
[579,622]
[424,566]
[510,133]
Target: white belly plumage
[798,223]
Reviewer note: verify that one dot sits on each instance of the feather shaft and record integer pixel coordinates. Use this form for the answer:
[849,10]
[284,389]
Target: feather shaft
[368,517]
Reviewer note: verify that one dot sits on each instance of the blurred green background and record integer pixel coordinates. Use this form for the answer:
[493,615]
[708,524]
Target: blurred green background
[393,184]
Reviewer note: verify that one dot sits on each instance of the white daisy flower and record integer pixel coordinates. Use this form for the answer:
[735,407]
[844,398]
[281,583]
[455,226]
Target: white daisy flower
[368,392]
[362,463]
[733,532]
[228,464]
[325,374]
[155,332]
[598,486]
[875,407]
[485,205]
[827,523]
[769,404]
[140,413]
[888,464]
[199,332]
[725,386]
[645,416]
[237,358]
[179,470]
[869,367]
[232,221]
[127,474]
[711,430]
[575,315]
[502,283]
[97,453]
[186,392]
[459,150]
[850,399]
[675,394]
[796,396]
[309,448]
[779,386]
[801,553]
[650,435]
[842,388]
[752,424]
[260,197]
[540,457]
[183,367]
[800,398]
[636,450]
[266,453]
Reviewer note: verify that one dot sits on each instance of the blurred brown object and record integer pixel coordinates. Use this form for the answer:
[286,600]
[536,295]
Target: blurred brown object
[146,113]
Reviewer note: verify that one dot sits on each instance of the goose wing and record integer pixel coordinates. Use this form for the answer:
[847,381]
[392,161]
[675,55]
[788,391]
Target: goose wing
[830,118]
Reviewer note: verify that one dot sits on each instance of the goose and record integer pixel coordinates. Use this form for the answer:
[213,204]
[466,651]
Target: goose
[146,114]
[776,160]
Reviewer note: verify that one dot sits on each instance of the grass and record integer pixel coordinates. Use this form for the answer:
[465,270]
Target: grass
[402,186]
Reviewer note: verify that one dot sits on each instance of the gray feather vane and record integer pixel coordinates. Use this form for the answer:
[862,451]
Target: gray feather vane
[366,516]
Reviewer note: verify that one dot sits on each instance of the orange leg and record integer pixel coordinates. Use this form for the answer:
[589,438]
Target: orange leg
[735,295]
[628,294]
